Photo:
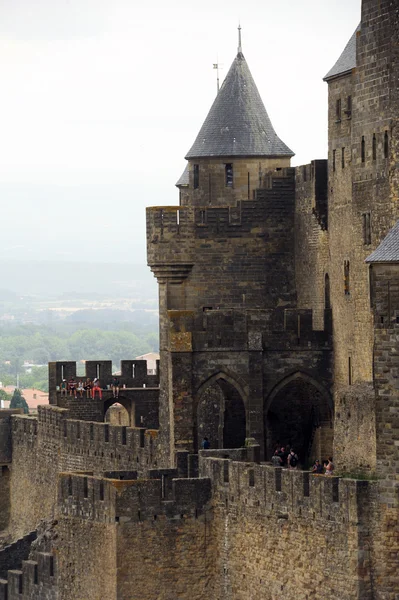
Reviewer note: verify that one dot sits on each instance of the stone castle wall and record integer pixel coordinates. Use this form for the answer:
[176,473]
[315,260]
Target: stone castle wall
[52,443]
[139,539]
[288,534]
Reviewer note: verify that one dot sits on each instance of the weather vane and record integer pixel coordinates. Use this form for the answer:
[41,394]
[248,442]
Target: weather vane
[217,66]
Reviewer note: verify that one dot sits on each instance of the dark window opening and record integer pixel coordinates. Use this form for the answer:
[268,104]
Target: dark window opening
[334,160]
[251,479]
[338,110]
[363,149]
[196,176]
[277,479]
[350,378]
[306,487]
[346,278]
[229,174]
[304,173]
[348,111]
[202,217]
[85,487]
[343,158]
[386,145]
[327,302]
[366,228]
[335,490]
[106,433]
[374,147]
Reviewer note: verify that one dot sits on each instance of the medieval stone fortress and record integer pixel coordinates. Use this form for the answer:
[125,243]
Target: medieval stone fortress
[279,323]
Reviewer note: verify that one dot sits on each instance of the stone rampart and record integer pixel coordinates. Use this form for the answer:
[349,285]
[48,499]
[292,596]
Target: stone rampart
[5,434]
[11,556]
[240,329]
[52,443]
[36,580]
[134,500]
[133,374]
[139,538]
[289,534]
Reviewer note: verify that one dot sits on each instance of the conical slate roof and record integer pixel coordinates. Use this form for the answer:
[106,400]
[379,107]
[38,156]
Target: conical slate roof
[388,250]
[238,124]
[347,60]
[184,177]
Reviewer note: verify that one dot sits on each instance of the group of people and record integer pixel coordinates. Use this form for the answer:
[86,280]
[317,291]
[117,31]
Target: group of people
[285,457]
[92,388]
[325,468]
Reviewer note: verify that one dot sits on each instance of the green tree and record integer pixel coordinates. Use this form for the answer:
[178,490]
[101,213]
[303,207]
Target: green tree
[4,395]
[18,401]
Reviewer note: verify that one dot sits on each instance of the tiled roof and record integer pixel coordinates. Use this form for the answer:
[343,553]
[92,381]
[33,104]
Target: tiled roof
[184,177]
[388,250]
[33,397]
[347,60]
[237,123]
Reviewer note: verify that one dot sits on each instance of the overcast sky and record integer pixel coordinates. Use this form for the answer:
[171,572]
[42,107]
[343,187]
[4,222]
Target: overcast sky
[101,99]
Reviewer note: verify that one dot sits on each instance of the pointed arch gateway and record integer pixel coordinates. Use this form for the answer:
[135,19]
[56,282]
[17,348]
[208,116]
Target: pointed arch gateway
[220,412]
[299,412]
[118,409]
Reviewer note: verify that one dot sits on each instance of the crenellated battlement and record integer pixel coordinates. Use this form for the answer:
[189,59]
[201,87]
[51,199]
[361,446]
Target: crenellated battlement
[286,493]
[246,329]
[36,579]
[94,445]
[134,500]
[311,183]
[133,374]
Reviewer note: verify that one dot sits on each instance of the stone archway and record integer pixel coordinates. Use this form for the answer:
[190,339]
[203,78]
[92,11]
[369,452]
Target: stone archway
[120,409]
[299,412]
[220,413]
[117,414]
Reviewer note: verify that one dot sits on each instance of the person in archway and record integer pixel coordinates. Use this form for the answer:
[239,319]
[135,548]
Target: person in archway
[292,460]
[276,458]
[329,466]
[115,387]
[205,445]
[283,455]
[317,468]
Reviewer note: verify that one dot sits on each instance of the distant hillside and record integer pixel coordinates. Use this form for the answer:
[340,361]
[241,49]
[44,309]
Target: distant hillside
[77,279]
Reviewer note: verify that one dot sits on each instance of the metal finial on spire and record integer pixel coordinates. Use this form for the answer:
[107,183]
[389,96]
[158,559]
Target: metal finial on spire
[239,50]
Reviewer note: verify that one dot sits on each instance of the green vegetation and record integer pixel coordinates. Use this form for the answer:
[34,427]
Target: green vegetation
[65,340]
[18,401]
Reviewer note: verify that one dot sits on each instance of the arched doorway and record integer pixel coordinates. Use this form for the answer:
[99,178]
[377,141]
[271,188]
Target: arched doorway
[220,414]
[298,412]
[117,414]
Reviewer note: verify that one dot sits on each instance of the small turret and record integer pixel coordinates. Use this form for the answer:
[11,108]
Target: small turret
[236,144]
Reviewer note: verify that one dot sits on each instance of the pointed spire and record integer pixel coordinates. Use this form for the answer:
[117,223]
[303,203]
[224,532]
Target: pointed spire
[239,49]
[237,123]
